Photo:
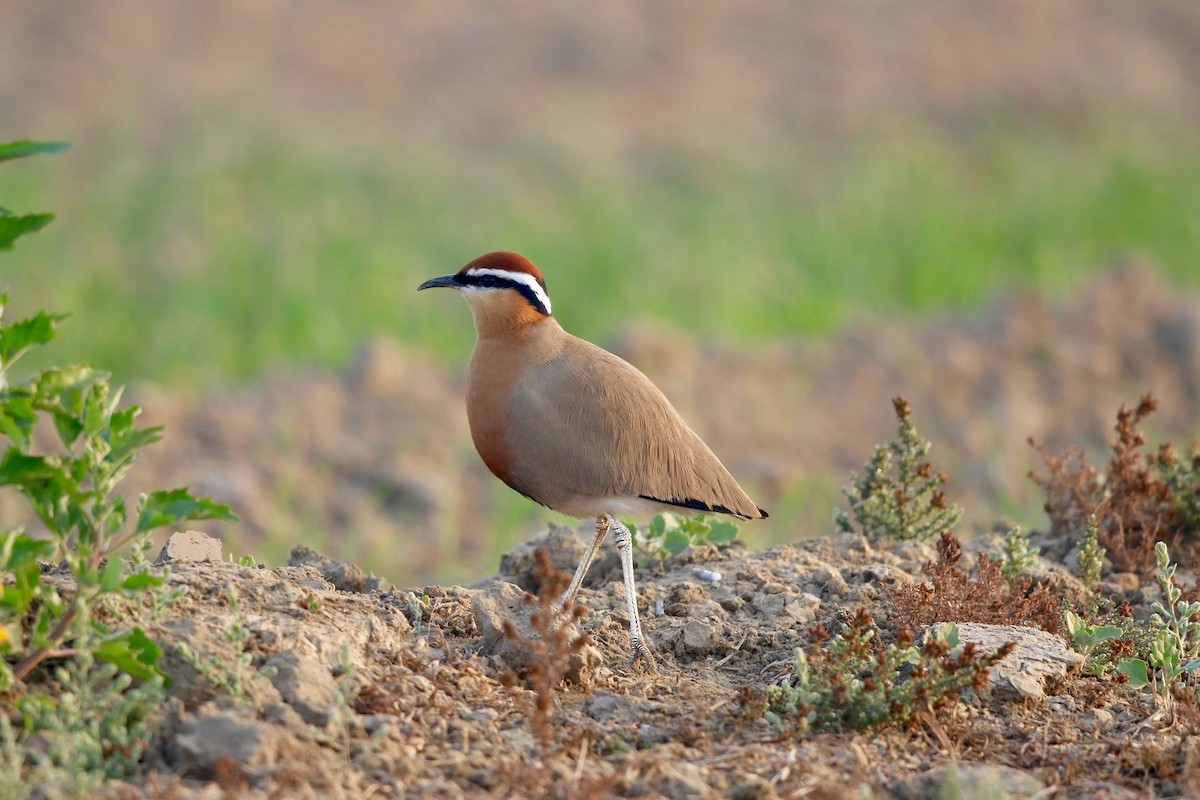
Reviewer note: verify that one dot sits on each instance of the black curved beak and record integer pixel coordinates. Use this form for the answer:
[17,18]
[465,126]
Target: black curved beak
[434,283]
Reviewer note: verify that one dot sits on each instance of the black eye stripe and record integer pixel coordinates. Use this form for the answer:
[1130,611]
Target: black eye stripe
[497,282]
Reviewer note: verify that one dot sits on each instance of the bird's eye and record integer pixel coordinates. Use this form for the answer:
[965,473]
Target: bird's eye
[488,281]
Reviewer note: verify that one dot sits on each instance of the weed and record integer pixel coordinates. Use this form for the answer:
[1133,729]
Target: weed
[667,534]
[1174,649]
[951,593]
[231,676]
[1138,501]
[1087,637]
[898,496]
[1091,556]
[416,611]
[554,647]
[1016,556]
[345,700]
[857,683]
[91,728]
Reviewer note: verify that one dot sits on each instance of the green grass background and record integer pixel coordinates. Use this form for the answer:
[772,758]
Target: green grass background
[210,256]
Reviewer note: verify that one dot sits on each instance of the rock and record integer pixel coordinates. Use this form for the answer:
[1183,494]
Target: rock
[305,684]
[347,577]
[1022,675]
[698,637]
[603,706]
[968,780]
[190,546]
[830,581]
[207,739]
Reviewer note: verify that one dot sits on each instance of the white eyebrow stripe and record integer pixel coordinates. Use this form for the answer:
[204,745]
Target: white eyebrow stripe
[518,277]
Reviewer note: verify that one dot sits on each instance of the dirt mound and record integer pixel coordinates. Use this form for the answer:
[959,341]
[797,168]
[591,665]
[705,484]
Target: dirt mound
[395,694]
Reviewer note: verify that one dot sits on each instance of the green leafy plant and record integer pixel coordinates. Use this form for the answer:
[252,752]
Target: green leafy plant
[1174,648]
[1017,557]
[667,534]
[91,728]
[69,444]
[898,495]
[13,226]
[1087,637]
[856,683]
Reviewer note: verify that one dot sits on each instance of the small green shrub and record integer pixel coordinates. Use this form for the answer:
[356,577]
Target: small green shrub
[1174,648]
[667,534]
[1016,556]
[857,683]
[898,495]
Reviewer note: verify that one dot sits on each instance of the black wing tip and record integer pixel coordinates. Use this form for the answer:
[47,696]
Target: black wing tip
[700,505]
[763,513]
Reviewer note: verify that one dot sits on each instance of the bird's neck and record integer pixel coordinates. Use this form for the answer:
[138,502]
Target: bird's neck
[512,319]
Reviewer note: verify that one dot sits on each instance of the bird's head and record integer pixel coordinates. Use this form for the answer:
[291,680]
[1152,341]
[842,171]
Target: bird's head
[503,289]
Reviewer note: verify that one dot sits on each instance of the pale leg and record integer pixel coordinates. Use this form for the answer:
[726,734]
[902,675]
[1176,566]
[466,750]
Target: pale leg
[625,548]
[588,557]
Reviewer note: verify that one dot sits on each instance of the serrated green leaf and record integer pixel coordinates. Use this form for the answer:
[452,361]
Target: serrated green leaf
[37,330]
[110,575]
[141,580]
[52,383]
[132,651]
[21,469]
[17,417]
[168,507]
[129,441]
[14,227]
[27,147]
[675,541]
[1136,671]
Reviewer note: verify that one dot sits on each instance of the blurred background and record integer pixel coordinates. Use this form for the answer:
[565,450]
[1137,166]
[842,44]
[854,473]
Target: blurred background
[784,212]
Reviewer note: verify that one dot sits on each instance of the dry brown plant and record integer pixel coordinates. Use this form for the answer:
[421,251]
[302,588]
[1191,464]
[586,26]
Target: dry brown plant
[556,643]
[1134,506]
[951,594]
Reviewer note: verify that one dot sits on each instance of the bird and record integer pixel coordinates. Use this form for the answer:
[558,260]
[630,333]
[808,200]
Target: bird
[576,428]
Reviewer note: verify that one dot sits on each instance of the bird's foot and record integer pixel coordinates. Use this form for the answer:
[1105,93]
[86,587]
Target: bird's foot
[643,658]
